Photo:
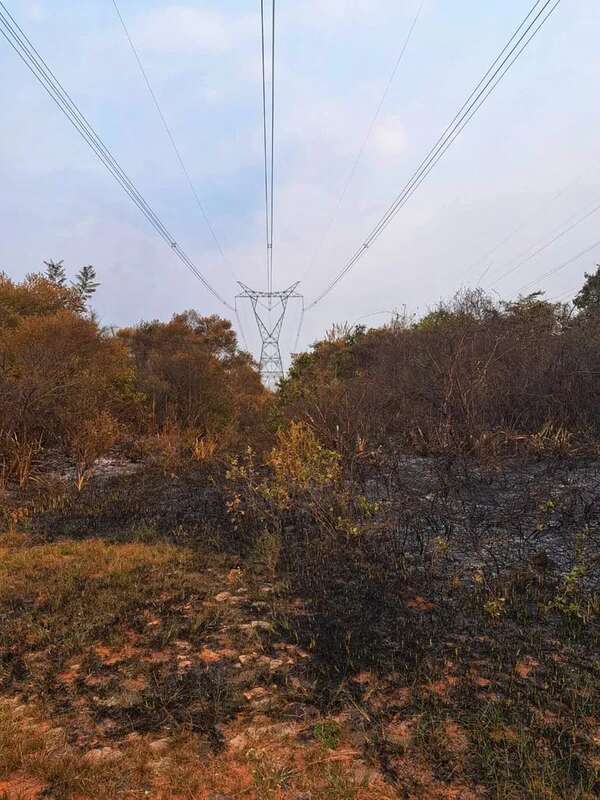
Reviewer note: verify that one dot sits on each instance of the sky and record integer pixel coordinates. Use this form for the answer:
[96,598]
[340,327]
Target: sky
[525,168]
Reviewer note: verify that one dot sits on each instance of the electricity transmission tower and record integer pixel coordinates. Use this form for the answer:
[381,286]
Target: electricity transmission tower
[269,327]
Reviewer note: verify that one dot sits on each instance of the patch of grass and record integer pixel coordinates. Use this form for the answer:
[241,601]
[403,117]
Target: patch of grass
[521,759]
[181,768]
[27,747]
[270,778]
[327,733]
[195,700]
[69,595]
[84,589]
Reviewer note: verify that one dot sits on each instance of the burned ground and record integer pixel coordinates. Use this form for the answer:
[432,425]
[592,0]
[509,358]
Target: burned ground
[452,652]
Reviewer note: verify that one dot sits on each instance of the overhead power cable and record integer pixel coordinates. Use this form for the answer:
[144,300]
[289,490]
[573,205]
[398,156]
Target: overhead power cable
[518,42]
[365,142]
[272,142]
[265,145]
[562,266]
[169,133]
[20,43]
[517,229]
[559,297]
[268,137]
[241,327]
[375,314]
[540,249]
[299,331]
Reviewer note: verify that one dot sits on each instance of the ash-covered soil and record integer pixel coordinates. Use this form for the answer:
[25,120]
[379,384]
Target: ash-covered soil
[498,519]
[465,516]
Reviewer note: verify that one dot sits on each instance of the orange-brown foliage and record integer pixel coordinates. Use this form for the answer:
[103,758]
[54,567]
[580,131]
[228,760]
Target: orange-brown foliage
[66,383]
[195,378]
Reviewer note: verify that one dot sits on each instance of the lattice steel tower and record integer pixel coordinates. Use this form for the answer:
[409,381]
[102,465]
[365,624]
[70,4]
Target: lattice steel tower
[271,363]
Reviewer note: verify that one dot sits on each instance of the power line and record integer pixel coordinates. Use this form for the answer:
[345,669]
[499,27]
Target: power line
[271,362]
[299,331]
[241,327]
[562,232]
[477,98]
[517,229]
[265,145]
[20,43]
[363,147]
[572,291]
[268,146]
[272,142]
[169,132]
[375,314]
[562,266]
[517,43]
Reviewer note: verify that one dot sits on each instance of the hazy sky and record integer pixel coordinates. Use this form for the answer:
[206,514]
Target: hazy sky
[537,135]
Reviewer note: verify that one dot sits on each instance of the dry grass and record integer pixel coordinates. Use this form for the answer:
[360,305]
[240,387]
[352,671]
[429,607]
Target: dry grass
[71,594]
[39,760]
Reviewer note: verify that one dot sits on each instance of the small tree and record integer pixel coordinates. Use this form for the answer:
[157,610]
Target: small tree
[90,440]
[55,272]
[588,299]
[85,283]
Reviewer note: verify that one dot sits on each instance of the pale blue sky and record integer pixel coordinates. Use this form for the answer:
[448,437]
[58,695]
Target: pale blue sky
[538,133]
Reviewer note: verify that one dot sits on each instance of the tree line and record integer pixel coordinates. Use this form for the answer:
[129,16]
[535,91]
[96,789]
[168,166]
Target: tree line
[472,376]
[68,384]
